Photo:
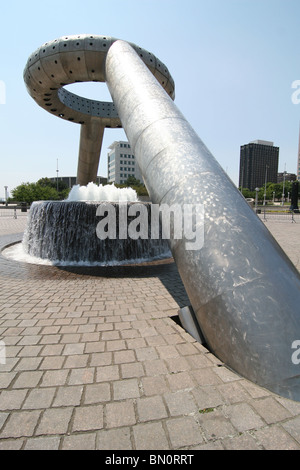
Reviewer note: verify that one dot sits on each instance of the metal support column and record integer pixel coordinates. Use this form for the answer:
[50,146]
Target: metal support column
[91,136]
[244,290]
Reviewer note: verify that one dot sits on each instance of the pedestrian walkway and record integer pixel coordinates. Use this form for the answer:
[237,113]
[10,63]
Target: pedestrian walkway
[95,359]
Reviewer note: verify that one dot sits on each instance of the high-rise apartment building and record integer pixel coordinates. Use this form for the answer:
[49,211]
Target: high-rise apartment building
[121,163]
[258,164]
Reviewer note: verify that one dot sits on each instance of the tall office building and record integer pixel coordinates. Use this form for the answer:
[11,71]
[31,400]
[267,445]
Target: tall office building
[121,163]
[258,163]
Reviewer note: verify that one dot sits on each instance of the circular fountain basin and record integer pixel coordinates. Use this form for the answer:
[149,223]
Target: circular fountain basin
[92,232]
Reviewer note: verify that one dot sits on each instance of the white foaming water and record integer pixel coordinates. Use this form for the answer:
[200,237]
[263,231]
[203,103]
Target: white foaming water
[16,253]
[93,192]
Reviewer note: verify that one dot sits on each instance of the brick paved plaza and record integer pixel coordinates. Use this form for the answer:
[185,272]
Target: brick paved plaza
[95,360]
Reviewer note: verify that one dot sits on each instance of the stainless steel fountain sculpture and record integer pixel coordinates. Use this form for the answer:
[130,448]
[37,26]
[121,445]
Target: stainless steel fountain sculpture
[81,58]
[244,291]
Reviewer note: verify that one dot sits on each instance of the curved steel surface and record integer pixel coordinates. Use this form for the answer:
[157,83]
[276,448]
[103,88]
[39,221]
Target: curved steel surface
[244,290]
[81,58]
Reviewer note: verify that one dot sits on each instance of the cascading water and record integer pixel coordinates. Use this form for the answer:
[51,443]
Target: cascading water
[65,232]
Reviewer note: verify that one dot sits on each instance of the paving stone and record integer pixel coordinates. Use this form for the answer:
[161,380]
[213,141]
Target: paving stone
[241,442]
[155,385]
[126,389]
[79,442]
[39,398]
[12,399]
[180,403]
[107,373]
[110,335]
[184,432]
[42,443]
[233,392]
[8,444]
[97,393]
[68,396]
[134,369]
[215,424]
[52,362]
[6,379]
[156,367]
[48,339]
[88,418]
[102,359]
[146,354]
[20,424]
[243,417]
[82,376]
[123,357]
[270,410]
[76,361]
[150,436]
[73,349]
[151,408]
[28,379]
[206,377]
[166,352]
[55,421]
[54,378]
[180,381]
[30,351]
[207,397]
[114,439]
[116,345]
[292,426]
[275,438]
[120,414]
[177,364]
[29,363]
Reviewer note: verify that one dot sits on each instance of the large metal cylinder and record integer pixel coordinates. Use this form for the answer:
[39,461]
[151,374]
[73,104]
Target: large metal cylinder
[244,290]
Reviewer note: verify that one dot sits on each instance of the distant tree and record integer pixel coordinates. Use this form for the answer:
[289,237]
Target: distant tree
[43,190]
[59,185]
[247,193]
[29,192]
[132,181]
[137,185]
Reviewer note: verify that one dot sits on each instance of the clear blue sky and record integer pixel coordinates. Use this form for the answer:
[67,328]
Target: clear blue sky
[233,62]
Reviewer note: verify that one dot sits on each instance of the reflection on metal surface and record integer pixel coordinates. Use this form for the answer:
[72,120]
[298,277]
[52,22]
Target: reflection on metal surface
[81,58]
[244,290]
[189,322]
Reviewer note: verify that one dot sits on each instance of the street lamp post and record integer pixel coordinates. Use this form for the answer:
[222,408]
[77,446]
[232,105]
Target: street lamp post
[265,194]
[6,195]
[256,199]
[57,175]
[283,188]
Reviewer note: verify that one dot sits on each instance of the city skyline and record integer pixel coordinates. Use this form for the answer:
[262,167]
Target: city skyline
[234,63]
